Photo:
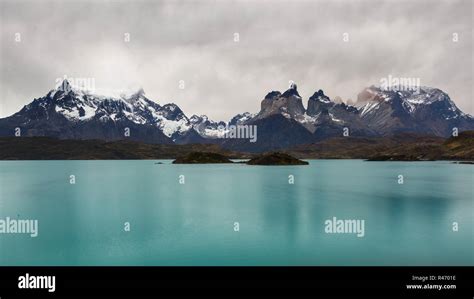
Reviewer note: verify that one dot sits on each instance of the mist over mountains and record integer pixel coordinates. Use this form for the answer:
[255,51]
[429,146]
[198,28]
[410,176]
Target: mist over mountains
[282,122]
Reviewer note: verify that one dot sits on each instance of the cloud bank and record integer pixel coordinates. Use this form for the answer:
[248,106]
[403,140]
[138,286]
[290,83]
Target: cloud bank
[194,42]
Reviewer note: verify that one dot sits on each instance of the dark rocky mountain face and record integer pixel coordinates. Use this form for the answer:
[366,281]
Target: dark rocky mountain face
[282,122]
[75,114]
[331,119]
[427,111]
[377,112]
[273,132]
[288,104]
[319,102]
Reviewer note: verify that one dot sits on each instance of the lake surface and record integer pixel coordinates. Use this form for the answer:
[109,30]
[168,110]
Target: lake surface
[279,223]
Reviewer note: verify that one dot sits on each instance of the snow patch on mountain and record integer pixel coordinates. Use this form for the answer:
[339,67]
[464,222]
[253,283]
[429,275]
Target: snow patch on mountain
[171,127]
[369,107]
[208,128]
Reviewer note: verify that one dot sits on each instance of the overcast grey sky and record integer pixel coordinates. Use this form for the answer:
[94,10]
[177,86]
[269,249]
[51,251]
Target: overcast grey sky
[193,41]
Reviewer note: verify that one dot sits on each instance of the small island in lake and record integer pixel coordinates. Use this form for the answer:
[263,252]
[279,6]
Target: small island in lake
[276,159]
[215,158]
[202,158]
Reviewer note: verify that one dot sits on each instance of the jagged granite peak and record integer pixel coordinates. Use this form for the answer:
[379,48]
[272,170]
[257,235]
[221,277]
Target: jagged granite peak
[323,118]
[320,96]
[273,94]
[172,111]
[65,86]
[289,104]
[62,90]
[291,91]
[317,102]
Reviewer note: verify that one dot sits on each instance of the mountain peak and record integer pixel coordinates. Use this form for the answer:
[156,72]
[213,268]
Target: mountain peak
[288,104]
[318,102]
[65,86]
[292,91]
[273,94]
[320,96]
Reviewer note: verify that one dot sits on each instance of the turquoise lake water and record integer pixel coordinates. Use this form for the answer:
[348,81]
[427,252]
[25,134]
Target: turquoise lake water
[279,223]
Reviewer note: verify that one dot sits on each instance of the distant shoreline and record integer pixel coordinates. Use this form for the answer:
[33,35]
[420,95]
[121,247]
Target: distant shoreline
[394,148]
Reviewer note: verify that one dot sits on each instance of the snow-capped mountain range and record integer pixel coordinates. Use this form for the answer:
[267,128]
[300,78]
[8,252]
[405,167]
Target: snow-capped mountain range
[70,113]
[81,105]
